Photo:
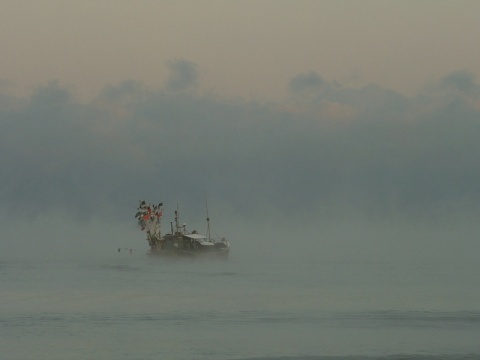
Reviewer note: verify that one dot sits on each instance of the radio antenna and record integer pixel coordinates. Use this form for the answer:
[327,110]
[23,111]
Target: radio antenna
[208,218]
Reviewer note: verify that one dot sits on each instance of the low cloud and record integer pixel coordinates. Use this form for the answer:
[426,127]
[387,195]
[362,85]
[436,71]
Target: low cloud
[461,81]
[183,75]
[325,150]
[305,83]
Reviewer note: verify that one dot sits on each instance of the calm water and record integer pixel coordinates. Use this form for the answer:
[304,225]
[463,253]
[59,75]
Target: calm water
[123,306]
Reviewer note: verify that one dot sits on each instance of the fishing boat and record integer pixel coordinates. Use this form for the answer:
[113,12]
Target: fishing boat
[180,241]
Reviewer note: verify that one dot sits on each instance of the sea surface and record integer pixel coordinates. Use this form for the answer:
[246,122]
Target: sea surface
[122,306]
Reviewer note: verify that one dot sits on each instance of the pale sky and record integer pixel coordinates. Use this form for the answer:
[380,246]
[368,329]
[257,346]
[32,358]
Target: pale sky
[248,49]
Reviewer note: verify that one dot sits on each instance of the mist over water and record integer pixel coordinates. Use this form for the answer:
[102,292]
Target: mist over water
[287,300]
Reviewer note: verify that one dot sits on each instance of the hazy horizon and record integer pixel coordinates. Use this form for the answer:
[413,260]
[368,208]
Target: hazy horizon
[333,120]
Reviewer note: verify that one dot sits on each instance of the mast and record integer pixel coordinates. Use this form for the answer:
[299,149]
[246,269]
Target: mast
[177,225]
[208,218]
[158,215]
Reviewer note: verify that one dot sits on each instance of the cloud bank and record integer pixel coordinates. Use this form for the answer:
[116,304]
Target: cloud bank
[325,149]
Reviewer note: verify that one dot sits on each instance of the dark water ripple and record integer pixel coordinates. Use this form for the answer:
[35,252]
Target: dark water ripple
[370,319]
[429,319]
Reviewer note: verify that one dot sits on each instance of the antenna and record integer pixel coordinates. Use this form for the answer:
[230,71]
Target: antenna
[208,219]
[177,225]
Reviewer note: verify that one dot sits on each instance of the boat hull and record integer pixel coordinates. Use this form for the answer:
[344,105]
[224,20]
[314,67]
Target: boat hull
[188,245]
[218,254]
